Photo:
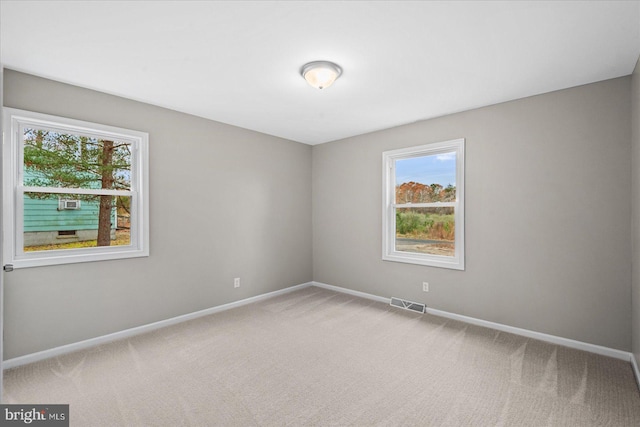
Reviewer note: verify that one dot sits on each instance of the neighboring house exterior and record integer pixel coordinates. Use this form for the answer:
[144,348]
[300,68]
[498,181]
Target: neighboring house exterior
[58,220]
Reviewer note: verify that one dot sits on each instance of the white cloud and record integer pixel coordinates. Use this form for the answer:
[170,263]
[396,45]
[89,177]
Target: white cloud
[446,156]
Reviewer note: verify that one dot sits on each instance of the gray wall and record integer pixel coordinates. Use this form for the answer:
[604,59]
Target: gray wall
[635,226]
[225,202]
[548,214]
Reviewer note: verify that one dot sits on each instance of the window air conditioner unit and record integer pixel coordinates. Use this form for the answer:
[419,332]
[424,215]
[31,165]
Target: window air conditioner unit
[69,204]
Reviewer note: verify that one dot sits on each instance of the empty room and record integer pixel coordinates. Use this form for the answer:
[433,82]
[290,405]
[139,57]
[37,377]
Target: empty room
[330,213]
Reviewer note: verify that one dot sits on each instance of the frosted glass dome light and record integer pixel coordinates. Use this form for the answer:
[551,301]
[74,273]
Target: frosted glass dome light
[321,74]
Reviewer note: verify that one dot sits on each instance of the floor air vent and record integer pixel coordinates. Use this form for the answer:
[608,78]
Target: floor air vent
[408,305]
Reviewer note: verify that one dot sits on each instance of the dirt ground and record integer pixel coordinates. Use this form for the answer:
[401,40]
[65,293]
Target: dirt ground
[122,239]
[443,249]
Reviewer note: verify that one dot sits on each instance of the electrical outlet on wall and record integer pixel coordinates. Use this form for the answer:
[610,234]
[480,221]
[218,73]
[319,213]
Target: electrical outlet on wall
[425,286]
[236,282]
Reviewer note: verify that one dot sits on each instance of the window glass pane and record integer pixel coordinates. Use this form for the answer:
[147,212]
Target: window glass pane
[59,159]
[426,230]
[426,179]
[71,221]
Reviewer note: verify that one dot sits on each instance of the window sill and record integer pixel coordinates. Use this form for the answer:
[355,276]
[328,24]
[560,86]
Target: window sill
[432,261]
[41,259]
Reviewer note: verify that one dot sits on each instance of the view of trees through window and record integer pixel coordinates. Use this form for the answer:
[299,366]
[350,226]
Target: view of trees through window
[426,182]
[61,163]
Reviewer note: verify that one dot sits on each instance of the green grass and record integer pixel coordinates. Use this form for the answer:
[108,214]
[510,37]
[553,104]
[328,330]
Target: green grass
[427,226]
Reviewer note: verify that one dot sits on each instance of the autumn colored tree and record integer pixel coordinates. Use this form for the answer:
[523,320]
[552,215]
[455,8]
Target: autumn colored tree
[415,192]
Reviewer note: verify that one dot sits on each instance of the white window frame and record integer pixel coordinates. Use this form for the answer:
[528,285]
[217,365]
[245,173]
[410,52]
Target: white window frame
[389,205]
[13,198]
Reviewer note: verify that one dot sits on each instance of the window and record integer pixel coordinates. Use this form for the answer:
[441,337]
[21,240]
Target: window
[73,191]
[423,205]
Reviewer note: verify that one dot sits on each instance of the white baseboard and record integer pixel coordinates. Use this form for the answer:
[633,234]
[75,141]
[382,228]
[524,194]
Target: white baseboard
[57,351]
[636,371]
[352,292]
[592,348]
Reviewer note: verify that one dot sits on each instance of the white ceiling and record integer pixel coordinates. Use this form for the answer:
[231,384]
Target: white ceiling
[239,62]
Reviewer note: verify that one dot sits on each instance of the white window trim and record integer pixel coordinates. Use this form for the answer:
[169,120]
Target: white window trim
[12,161]
[389,252]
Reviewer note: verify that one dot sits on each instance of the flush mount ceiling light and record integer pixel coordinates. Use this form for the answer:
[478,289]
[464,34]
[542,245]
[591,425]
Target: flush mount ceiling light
[321,74]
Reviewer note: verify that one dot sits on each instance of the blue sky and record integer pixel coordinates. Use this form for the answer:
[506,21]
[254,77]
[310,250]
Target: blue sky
[438,168]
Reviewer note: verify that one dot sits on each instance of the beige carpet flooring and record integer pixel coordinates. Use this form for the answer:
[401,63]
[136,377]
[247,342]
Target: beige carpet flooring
[316,357]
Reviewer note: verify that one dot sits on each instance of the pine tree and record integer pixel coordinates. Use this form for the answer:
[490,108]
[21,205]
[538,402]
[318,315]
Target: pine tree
[54,159]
